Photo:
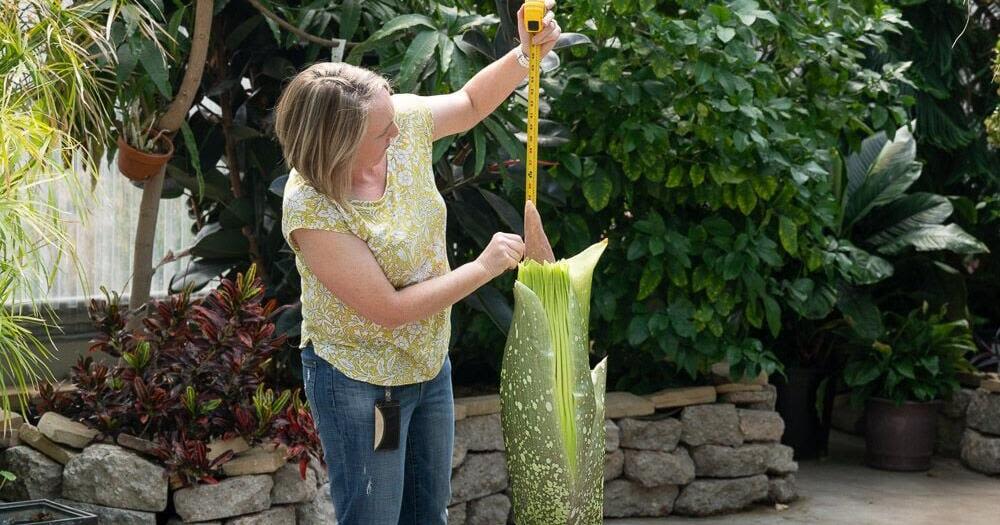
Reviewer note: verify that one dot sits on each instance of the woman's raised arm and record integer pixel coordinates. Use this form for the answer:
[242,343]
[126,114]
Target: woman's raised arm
[483,93]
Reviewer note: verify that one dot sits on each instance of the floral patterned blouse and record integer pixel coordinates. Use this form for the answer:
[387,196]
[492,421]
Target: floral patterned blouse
[405,230]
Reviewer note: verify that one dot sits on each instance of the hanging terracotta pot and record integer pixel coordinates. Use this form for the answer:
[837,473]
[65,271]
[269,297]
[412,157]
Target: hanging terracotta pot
[139,165]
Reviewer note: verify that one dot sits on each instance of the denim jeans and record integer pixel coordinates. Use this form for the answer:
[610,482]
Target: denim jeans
[409,485]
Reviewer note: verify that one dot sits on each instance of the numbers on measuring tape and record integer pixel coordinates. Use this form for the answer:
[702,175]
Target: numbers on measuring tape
[534,72]
[534,15]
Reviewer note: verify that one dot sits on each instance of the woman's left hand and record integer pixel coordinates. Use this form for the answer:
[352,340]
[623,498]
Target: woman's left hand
[546,37]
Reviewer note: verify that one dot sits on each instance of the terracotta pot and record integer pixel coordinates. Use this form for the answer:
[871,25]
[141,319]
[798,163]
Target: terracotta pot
[900,437]
[139,165]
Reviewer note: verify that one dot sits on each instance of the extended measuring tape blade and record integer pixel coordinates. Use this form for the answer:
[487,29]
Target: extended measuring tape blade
[534,13]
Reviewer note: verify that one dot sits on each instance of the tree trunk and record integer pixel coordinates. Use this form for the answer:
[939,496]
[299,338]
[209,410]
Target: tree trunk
[142,259]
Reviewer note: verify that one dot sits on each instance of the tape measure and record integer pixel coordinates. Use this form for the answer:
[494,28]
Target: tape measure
[534,13]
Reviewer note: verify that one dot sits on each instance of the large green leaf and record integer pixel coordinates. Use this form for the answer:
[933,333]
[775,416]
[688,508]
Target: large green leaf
[153,62]
[861,313]
[811,300]
[858,163]
[466,22]
[597,190]
[888,177]
[864,268]
[420,52]
[391,29]
[504,137]
[350,15]
[490,301]
[907,214]
[788,234]
[461,69]
[932,237]
[446,48]
[214,242]
[510,216]
[552,404]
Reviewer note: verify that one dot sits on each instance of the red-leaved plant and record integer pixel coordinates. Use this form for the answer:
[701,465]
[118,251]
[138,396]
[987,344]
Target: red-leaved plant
[194,371]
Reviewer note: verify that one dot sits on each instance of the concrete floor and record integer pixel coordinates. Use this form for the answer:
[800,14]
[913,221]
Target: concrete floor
[840,490]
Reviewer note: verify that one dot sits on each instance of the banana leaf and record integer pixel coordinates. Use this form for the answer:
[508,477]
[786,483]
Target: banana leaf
[552,404]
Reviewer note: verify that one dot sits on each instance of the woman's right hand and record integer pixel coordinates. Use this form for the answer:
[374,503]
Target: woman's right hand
[503,253]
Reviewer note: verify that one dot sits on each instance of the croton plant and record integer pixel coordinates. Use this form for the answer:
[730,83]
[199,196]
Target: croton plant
[195,371]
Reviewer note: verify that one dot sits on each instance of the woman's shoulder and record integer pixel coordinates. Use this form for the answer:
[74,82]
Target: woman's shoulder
[413,116]
[300,196]
[407,102]
[304,207]
[295,189]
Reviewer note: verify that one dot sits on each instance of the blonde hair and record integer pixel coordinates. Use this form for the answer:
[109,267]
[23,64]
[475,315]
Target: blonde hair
[320,119]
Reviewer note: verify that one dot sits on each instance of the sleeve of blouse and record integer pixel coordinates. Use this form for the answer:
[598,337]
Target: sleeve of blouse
[305,208]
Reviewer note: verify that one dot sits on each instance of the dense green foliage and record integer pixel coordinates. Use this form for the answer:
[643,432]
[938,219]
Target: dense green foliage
[880,225]
[950,43]
[714,179]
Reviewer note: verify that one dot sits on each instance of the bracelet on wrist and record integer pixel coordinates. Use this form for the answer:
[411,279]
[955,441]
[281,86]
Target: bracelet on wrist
[522,57]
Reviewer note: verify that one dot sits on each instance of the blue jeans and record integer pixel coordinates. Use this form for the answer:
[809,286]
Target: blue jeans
[409,485]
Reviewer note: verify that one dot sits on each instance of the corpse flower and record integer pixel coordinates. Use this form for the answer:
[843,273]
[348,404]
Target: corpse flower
[552,404]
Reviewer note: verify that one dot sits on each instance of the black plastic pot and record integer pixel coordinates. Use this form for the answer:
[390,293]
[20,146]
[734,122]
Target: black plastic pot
[806,431]
[900,437]
[43,511]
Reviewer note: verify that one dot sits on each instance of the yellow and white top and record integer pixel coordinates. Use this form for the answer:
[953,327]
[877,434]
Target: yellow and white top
[405,230]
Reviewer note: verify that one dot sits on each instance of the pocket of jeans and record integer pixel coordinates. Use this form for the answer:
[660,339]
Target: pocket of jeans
[310,370]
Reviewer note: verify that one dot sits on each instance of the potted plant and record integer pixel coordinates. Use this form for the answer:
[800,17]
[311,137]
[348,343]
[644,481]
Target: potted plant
[902,376]
[805,390]
[877,226]
[142,149]
[144,85]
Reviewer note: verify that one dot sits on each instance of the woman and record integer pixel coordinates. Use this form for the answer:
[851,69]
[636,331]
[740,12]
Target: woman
[367,225]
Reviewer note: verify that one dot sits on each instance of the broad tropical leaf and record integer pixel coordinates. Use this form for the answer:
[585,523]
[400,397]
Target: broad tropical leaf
[420,52]
[811,300]
[552,404]
[892,172]
[858,163]
[933,237]
[390,29]
[864,267]
[907,214]
[861,313]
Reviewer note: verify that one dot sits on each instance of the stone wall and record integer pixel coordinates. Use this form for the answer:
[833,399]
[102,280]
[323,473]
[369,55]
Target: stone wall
[969,426]
[691,451]
[122,484]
